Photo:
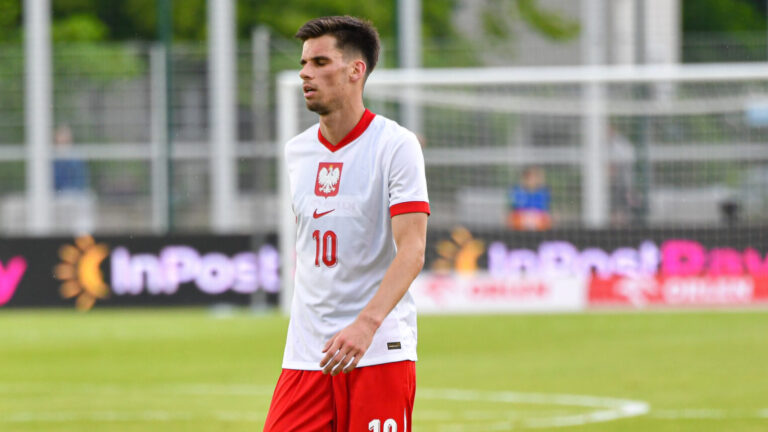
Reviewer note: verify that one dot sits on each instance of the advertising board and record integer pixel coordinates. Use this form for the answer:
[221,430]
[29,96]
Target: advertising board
[470,272]
[485,293]
[85,272]
[689,274]
[465,272]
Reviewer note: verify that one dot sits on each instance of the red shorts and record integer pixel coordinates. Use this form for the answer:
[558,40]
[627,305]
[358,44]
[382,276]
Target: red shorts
[373,398]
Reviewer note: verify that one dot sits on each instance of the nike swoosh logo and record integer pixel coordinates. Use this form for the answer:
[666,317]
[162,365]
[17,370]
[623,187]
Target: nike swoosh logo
[319,215]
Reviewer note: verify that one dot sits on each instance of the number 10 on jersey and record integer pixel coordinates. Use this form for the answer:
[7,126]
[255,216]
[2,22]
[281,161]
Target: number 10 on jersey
[325,248]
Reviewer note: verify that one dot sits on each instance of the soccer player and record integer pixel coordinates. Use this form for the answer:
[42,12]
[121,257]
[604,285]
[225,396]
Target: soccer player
[359,194]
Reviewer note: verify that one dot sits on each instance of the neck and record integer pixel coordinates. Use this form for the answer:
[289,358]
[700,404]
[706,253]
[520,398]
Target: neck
[337,124]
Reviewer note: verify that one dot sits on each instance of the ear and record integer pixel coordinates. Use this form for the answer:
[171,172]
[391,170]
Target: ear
[357,70]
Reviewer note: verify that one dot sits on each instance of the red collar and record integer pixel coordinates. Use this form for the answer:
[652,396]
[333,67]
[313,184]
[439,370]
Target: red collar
[354,134]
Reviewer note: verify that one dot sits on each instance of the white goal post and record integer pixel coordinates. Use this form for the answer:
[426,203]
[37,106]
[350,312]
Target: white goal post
[584,98]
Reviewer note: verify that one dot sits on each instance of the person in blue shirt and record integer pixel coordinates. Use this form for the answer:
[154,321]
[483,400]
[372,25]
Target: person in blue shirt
[74,202]
[70,174]
[529,202]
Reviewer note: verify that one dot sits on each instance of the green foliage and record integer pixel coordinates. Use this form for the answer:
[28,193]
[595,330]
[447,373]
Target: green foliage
[13,175]
[137,19]
[449,52]
[11,92]
[79,28]
[96,62]
[286,16]
[723,30]
[547,23]
[78,32]
[78,20]
[721,16]
[190,19]
[495,24]
[131,20]
[500,16]
[10,18]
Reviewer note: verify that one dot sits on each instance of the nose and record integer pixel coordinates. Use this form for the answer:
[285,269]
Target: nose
[304,73]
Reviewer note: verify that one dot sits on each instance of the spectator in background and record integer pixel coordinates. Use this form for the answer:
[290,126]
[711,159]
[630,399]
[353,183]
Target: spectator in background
[529,202]
[73,205]
[70,173]
[624,197]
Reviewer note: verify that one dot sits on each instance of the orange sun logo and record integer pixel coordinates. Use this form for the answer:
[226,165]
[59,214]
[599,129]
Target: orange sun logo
[460,253]
[79,272]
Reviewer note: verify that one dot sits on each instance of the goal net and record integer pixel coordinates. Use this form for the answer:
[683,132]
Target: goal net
[597,157]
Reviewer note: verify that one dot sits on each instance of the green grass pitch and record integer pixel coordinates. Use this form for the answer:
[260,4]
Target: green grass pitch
[192,370]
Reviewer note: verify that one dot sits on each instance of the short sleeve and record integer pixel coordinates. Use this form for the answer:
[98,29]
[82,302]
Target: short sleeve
[407,179]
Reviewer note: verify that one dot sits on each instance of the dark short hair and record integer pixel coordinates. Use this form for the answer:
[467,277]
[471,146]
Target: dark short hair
[351,33]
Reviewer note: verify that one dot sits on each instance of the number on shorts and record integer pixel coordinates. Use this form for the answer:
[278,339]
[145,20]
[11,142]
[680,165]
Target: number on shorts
[390,425]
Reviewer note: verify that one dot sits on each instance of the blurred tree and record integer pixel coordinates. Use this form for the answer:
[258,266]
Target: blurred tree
[91,20]
[83,57]
[10,19]
[79,20]
[726,16]
[496,23]
[79,27]
[760,5]
[501,16]
[723,30]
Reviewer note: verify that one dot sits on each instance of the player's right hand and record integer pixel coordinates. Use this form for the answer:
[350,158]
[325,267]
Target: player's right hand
[345,349]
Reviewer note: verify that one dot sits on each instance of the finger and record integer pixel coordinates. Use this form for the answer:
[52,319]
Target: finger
[335,361]
[328,367]
[339,366]
[329,343]
[351,365]
[330,350]
[327,358]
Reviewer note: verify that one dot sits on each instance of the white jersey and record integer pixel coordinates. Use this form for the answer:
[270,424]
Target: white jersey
[344,197]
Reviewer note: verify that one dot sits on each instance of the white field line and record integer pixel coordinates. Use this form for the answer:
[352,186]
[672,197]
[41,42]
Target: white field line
[603,409]
[188,389]
[709,414]
[157,416]
[152,416]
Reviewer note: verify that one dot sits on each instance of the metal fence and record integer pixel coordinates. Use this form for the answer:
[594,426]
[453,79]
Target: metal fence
[109,115]
[108,124]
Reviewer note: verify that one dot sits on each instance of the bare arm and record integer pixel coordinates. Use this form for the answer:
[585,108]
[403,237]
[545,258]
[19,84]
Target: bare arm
[349,345]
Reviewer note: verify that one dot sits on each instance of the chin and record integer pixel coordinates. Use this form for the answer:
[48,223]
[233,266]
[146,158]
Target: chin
[317,108]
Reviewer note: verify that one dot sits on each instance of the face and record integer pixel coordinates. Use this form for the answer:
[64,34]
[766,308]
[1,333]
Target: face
[63,136]
[534,179]
[329,79]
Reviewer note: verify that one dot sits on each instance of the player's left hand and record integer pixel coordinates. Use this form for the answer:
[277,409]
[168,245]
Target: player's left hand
[345,349]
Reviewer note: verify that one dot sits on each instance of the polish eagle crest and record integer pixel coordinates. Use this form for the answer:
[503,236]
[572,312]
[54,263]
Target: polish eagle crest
[328,176]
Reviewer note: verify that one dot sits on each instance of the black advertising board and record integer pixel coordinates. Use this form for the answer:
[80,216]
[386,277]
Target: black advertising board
[102,271]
